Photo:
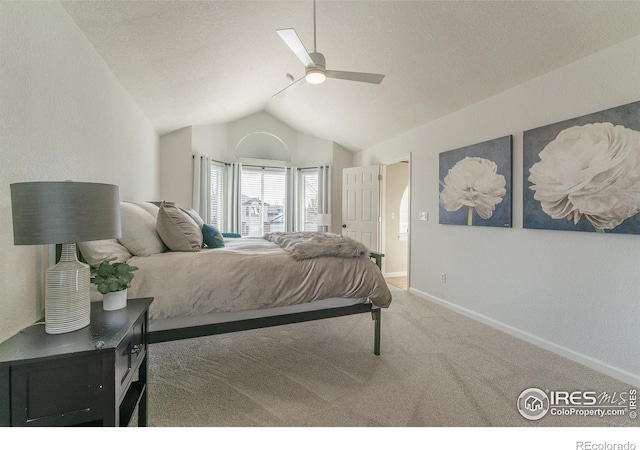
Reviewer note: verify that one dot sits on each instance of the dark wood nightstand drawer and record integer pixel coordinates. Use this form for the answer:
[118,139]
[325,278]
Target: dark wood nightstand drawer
[129,355]
[41,392]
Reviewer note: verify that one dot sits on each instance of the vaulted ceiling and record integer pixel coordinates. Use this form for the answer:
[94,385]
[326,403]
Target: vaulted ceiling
[197,62]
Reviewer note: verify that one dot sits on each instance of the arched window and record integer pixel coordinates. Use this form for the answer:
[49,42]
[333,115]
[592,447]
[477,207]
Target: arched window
[262,145]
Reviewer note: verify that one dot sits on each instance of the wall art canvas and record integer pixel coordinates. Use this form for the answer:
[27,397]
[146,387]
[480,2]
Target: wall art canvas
[583,174]
[475,184]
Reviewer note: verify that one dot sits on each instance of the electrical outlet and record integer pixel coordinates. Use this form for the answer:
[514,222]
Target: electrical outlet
[443,277]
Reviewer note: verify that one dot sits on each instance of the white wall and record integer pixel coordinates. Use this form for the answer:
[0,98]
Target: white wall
[210,140]
[264,122]
[342,158]
[305,150]
[176,167]
[312,151]
[176,159]
[63,115]
[574,293]
[219,142]
[395,182]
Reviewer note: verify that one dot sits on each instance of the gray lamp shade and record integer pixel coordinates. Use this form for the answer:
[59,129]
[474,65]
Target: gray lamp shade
[64,212]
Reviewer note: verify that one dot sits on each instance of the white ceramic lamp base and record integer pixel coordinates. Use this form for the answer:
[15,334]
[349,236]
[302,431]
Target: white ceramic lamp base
[67,302]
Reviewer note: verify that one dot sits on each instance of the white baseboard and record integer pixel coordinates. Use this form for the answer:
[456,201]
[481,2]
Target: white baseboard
[592,363]
[395,274]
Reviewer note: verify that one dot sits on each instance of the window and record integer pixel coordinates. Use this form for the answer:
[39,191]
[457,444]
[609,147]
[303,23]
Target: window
[309,199]
[263,200]
[217,195]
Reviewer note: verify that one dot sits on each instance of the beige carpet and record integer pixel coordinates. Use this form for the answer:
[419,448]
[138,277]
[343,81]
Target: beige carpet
[437,368]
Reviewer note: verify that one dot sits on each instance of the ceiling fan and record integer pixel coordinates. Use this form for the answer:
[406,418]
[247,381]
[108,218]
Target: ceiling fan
[314,63]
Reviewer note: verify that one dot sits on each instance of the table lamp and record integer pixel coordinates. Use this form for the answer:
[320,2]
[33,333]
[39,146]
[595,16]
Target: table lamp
[324,221]
[65,212]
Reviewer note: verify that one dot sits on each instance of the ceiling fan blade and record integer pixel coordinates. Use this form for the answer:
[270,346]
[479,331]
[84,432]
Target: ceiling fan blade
[290,37]
[289,88]
[355,76]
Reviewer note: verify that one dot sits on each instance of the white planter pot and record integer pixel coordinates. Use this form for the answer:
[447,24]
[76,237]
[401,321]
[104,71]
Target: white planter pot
[114,300]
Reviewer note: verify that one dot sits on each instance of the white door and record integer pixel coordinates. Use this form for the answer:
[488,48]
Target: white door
[361,205]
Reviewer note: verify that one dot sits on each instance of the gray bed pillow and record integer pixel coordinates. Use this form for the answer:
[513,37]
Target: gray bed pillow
[177,229]
[195,216]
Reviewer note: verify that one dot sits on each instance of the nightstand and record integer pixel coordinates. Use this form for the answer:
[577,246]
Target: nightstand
[94,376]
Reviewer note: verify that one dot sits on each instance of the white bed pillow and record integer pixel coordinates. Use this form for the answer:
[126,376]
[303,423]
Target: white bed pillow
[148,207]
[139,233]
[177,229]
[94,252]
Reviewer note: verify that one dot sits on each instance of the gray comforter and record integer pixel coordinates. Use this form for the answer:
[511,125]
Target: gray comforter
[248,274]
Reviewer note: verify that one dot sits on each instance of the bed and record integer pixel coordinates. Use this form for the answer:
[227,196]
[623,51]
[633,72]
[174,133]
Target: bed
[244,283]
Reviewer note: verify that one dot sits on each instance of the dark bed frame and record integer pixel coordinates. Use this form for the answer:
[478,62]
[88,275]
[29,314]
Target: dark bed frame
[272,321]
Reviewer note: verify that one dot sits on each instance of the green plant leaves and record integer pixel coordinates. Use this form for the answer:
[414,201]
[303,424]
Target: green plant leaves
[105,269]
[112,277]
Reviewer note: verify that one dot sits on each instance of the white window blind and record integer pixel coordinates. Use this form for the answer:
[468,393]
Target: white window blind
[263,200]
[217,195]
[309,199]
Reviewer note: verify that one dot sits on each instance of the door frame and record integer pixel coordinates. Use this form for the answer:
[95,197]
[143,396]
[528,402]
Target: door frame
[383,210]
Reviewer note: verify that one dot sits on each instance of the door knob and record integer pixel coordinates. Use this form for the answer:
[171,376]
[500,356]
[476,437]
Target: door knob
[344,225]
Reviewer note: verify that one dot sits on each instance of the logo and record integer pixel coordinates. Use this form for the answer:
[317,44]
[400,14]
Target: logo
[533,404]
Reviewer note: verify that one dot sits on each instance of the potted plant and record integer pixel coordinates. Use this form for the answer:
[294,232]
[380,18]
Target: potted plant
[112,280]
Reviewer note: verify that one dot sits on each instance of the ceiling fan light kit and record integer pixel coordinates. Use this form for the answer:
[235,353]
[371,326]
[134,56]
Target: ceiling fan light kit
[316,74]
[315,66]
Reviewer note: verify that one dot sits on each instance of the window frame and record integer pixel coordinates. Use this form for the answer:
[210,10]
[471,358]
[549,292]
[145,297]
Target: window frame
[263,214]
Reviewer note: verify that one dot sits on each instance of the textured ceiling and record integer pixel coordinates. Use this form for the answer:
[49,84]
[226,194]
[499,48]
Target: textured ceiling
[198,62]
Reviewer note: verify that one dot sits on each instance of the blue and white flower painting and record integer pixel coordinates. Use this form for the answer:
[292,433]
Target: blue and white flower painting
[475,184]
[584,174]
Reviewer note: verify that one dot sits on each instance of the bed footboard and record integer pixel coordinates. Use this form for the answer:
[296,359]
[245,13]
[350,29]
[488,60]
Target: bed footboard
[377,257]
[376,315]
[156,336]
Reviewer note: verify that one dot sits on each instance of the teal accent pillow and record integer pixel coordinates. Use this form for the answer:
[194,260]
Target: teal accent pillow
[211,237]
